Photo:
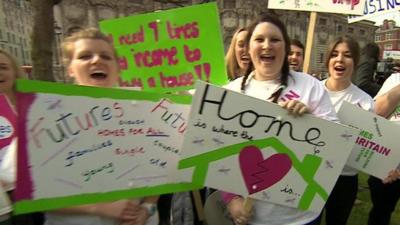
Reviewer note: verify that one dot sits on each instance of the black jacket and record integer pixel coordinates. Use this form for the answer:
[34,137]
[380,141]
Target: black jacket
[364,76]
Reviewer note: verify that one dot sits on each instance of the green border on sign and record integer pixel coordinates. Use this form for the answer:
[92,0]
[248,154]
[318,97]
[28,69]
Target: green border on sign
[29,86]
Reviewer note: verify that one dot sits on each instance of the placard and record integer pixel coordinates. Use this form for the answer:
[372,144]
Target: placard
[376,150]
[373,8]
[80,145]
[353,7]
[169,50]
[266,153]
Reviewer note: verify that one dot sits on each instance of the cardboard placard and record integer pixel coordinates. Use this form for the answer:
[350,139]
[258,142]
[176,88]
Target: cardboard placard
[352,7]
[169,50]
[266,153]
[376,151]
[80,145]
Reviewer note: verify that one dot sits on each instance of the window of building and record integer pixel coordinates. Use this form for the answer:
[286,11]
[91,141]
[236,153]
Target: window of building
[16,52]
[322,21]
[388,46]
[339,28]
[13,39]
[1,35]
[8,37]
[362,32]
[321,58]
[389,36]
[377,37]
[350,30]
[229,4]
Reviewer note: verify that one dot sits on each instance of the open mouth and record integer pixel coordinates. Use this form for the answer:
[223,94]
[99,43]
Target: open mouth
[339,69]
[98,75]
[245,59]
[267,58]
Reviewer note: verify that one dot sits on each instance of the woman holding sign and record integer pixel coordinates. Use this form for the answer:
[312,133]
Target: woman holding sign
[91,60]
[271,80]
[237,58]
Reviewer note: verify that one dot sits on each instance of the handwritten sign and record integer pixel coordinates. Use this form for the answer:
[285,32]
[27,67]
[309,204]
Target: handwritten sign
[266,153]
[95,144]
[353,7]
[391,54]
[374,8]
[376,151]
[169,50]
[7,122]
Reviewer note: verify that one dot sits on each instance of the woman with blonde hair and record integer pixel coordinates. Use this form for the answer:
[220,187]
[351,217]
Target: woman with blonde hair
[237,58]
[91,60]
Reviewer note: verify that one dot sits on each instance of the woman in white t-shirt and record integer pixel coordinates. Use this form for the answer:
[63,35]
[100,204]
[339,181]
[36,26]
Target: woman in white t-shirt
[271,80]
[342,57]
[91,60]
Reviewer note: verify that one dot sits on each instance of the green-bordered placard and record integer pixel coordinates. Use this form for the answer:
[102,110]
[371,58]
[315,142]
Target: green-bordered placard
[81,145]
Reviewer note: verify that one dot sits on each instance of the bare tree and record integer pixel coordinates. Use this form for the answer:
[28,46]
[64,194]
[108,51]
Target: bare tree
[42,39]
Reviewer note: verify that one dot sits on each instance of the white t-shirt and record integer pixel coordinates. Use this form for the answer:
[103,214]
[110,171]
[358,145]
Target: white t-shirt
[8,165]
[310,91]
[390,83]
[355,96]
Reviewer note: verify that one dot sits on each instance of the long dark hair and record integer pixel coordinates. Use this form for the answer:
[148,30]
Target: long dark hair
[351,44]
[270,18]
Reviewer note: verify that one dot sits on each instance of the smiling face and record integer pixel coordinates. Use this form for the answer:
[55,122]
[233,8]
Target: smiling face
[267,51]
[93,63]
[296,58]
[341,63]
[7,74]
[241,53]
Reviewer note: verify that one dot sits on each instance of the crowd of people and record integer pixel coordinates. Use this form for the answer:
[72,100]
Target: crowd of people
[263,62]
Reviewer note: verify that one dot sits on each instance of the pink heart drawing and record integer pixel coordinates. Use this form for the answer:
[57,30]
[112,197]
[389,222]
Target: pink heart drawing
[259,173]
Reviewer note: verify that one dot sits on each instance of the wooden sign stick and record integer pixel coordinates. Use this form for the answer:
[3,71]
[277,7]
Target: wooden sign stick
[310,40]
[198,204]
[248,205]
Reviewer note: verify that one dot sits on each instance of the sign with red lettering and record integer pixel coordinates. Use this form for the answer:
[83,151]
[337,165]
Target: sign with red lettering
[169,50]
[352,7]
[95,144]
[376,151]
[7,122]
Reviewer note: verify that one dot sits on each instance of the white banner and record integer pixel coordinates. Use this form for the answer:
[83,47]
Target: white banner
[352,7]
[374,8]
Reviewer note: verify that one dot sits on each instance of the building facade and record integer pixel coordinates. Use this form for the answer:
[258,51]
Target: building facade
[387,36]
[72,15]
[15,29]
